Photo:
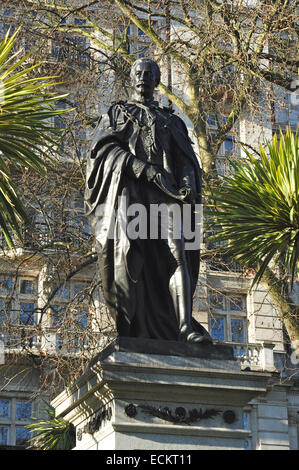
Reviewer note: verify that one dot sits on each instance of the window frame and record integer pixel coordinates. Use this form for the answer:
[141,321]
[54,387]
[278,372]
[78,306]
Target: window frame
[11,422]
[63,343]
[27,297]
[226,312]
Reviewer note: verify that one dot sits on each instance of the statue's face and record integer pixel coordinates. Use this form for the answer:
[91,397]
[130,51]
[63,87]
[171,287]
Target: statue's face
[144,80]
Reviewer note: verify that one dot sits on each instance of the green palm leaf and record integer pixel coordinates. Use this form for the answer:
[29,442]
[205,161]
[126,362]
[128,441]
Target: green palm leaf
[256,210]
[27,137]
[53,433]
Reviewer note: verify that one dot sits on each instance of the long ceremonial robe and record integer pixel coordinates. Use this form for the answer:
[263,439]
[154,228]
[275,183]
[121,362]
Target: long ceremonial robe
[136,273]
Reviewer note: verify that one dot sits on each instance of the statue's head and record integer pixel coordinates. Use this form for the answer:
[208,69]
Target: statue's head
[145,76]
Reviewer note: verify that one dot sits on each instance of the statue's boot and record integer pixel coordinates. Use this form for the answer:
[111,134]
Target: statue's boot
[190,336]
[179,287]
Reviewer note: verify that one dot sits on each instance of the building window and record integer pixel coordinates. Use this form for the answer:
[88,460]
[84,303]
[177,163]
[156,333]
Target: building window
[228,320]
[6,289]
[70,316]
[83,229]
[8,22]
[59,51]
[27,293]
[2,312]
[78,202]
[4,409]
[228,146]
[59,121]
[3,435]
[27,287]
[72,51]
[211,120]
[140,44]
[80,138]
[27,313]
[23,410]
[57,314]
[6,285]
[223,166]
[15,415]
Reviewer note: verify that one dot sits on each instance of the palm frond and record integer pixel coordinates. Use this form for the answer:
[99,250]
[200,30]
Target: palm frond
[256,210]
[52,433]
[27,136]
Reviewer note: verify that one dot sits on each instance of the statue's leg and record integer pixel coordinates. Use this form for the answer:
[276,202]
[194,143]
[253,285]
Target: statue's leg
[180,287]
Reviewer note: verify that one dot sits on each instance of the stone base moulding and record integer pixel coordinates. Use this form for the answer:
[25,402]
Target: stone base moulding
[153,395]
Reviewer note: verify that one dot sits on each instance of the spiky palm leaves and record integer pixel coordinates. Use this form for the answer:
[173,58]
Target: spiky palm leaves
[257,207]
[26,131]
[52,433]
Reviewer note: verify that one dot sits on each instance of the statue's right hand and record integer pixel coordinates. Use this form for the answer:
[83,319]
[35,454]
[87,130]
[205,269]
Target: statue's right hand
[151,171]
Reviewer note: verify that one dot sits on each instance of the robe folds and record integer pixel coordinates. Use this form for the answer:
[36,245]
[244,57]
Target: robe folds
[136,272]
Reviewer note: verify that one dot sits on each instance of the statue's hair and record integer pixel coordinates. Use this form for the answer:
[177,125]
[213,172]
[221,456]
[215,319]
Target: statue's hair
[153,64]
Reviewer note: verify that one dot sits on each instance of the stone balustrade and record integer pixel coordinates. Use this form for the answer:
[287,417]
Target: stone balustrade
[252,356]
[255,356]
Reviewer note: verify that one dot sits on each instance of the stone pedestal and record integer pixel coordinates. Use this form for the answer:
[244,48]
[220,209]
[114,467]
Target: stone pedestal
[161,395]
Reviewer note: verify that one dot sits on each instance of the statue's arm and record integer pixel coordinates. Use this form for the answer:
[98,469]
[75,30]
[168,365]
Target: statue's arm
[137,169]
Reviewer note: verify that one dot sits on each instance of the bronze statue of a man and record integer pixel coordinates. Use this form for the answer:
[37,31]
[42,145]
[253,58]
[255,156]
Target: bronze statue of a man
[141,156]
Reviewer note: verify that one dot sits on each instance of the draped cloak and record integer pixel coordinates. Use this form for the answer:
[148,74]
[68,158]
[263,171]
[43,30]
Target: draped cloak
[135,273]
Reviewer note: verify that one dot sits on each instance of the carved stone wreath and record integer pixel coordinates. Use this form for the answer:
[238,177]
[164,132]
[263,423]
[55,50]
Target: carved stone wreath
[179,416]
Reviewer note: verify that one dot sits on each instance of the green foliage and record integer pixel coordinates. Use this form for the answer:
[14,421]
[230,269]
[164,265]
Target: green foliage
[256,210]
[26,133]
[52,434]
